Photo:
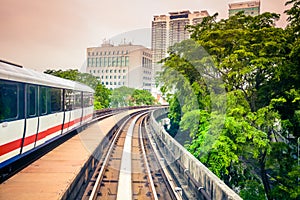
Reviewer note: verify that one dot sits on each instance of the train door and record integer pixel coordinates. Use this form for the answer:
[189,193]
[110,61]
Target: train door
[44,117]
[77,110]
[68,105]
[12,120]
[50,124]
[31,117]
[87,106]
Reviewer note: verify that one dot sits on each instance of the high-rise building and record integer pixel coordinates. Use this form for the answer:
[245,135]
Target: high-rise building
[168,30]
[123,65]
[249,7]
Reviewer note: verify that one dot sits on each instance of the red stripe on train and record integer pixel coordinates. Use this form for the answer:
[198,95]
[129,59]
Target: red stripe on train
[8,147]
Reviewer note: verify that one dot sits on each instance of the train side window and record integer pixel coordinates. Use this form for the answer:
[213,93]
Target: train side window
[9,101]
[31,101]
[87,99]
[78,100]
[56,99]
[43,100]
[69,100]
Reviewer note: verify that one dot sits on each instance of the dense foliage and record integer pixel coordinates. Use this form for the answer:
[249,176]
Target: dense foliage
[124,96]
[235,88]
[102,94]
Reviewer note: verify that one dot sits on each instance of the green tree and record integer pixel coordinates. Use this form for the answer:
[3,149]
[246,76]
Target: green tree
[142,97]
[125,96]
[121,97]
[259,66]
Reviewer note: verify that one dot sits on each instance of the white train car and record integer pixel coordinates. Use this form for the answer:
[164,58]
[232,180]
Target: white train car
[37,108]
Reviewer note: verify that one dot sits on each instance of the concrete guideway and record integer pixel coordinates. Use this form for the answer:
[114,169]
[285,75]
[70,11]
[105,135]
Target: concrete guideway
[124,186]
[52,176]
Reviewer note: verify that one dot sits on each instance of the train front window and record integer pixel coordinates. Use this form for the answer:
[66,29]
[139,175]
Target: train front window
[8,101]
[31,101]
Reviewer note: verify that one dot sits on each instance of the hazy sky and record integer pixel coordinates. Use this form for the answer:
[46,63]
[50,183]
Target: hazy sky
[52,34]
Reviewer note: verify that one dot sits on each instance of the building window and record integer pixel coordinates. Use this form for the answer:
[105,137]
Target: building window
[118,61]
[122,61]
[126,61]
[109,61]
[113,61]
[105,61]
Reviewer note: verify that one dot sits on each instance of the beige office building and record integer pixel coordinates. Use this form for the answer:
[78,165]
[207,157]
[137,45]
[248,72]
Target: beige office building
[249,7]
[122,65]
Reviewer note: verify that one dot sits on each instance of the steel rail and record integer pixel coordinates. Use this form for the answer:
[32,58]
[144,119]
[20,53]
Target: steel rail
[165,174]
[147,164]
[105,162]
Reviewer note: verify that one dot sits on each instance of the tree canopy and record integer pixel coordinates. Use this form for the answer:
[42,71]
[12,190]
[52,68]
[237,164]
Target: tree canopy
[234,88]
[124,96]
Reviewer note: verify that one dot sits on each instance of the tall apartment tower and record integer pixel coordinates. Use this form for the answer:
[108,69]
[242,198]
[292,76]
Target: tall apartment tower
[122,65]
[168,30]
[249,7]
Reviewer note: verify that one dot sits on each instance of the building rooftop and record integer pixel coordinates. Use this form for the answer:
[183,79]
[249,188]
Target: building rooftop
[244,4]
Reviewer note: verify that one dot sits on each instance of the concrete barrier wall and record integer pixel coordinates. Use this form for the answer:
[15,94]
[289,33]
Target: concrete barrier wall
[212,185]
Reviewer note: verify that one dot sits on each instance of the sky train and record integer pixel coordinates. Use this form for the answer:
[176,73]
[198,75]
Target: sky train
[37,108]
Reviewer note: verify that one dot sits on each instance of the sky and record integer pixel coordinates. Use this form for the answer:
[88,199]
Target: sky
[54,34]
